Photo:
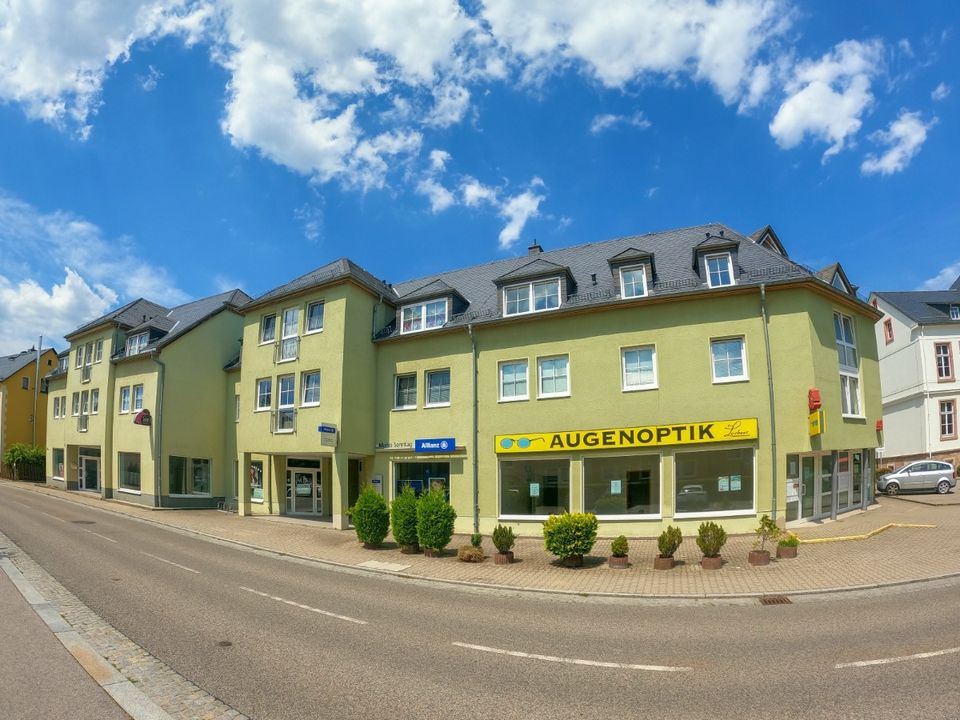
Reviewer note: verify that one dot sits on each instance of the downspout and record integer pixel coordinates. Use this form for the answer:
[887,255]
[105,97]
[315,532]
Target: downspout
[476,434]
[158,433]
[773,401]
[926,395]
[36,390]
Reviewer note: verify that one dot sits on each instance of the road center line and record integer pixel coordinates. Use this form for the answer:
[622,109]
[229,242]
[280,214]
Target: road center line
[99,535]
[58,519]
[902,658]
[304,607]
[170,562]
[573,661]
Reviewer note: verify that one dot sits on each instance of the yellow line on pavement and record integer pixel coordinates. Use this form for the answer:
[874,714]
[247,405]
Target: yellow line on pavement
[865,536]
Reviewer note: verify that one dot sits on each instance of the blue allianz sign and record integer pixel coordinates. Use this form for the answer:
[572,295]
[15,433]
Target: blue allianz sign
[434,445]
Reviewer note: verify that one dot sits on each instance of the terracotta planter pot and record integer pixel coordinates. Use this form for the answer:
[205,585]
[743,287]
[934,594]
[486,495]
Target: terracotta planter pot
[759,557]
[503,558]
[618,563]
[711,563]
[430,552]
[573,561]
[785,551]
[410,549]
[663,563]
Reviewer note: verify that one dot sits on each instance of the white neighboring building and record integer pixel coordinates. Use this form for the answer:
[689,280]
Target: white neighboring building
[919,345]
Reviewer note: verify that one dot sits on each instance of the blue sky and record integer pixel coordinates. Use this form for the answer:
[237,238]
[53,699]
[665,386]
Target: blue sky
[172,150]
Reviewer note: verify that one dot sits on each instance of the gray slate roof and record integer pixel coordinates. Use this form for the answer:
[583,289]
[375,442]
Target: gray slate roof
[11,364]
[331,272]
[672,251]
[924,306]
[128,316]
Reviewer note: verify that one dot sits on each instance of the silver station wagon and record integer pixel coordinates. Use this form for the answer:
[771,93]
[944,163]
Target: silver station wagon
[917,476]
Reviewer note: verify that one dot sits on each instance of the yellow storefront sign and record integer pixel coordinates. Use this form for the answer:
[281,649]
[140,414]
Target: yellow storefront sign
[711,431]
[817,423]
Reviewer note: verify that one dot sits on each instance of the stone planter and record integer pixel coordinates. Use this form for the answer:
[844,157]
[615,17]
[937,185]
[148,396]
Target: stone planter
[786,551]
[410,549]
[430,552]
[711,563]
[661,562]
[503,558]
[759,557]
[618,563]
[573,561]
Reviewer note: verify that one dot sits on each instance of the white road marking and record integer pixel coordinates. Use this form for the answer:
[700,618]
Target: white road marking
[99,535]
[380,565]
[902,658]
[170,562]
[58,519]
[573,661]
[304,607]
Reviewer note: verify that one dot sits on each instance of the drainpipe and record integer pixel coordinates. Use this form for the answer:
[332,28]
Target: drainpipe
[158,424]
[476,434]
[925,394]
[773,401]
[36,390]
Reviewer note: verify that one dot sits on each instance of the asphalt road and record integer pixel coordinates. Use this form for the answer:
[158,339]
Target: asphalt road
[307,641]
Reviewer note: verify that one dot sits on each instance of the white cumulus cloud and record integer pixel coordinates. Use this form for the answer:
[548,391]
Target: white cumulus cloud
[940,92]
[607,121]
[943,279]
[903,140]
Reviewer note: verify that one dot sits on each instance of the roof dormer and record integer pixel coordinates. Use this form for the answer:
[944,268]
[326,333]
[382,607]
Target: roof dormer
[537,286]
[634,273]
[835,276]
[429,307]
[767,238]
[715,260]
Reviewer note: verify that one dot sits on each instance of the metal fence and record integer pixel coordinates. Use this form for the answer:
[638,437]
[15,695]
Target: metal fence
[25,472]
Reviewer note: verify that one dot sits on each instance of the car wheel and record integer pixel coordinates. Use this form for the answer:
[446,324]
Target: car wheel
[943,487]
[892,488]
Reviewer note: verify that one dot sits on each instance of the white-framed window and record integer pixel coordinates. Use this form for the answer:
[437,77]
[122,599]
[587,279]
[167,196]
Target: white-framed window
[850,394]
[719,270]
[62,363]
[79,358]
[531,297]
[955,312]
[438,388]
[264,393]
[639,368]
[729,360]
[94,402]
[943,354]
[137,397]
[849,365]
[315,317]
[56,407]
[75,405]
[289,341]
[88,358]
[268,329]
[534,488]
[236,408]
[84,403]
[137,343]
[717,482]
[948,419]
[405,392]
[310,388]
[554,376]
[633,282]
[513,380]
[98,356]
[423,316]
[622,486]
[189,476]
[25,383]
[286,399]
[125,399]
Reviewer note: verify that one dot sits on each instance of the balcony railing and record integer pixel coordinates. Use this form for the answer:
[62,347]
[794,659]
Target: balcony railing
[82,422]
[85,374]
[286,350]
[283,420]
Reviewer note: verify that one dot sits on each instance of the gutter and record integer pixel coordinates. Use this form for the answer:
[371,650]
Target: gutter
[773,401]
[158,432]
[476,433]
[36,391]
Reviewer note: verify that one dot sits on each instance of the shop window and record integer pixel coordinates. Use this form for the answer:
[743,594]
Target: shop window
[714,481]
[129,471]
[189,476]
[421,476]
[534,488]
[256,480]
[628,485]
[57,467]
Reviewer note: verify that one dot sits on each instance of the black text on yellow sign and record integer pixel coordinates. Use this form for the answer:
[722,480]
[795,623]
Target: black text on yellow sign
[711,431]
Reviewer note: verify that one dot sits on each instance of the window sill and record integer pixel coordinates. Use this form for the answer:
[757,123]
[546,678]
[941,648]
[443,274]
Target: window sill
[265,342]
[258,501]
[56,477]
[404,408]
[530,312]
[190,495]
[724,513]
[553,396]
[847,416]
[282,361]
[515,518]
[724,285]
[284,432]
[514,399]
[263,409]
[314,332]
[641,389]
[730,381]
[310,405]
[437,405]
[645,516]
[129,492]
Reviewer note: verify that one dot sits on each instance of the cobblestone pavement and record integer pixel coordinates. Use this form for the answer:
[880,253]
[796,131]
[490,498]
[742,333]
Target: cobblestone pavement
[896,555]
[175,694]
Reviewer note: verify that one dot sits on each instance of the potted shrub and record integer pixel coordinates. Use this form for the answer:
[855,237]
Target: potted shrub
[370,517]
[472,552]
[435,518]
[710,539]
[668,543]
[766,532]
[503,539]
[403,517]
[787,545]
[570,536]
[619,549]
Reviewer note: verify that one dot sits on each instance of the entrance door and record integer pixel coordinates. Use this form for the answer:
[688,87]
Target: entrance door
[304,492]
[808,485]
[89,473]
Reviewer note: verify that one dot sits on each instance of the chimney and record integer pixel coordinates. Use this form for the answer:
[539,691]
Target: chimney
[534,249]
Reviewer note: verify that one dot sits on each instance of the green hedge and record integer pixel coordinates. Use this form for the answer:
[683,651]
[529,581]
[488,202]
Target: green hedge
[435,518]
[403,514]
[570,535]
[370,517]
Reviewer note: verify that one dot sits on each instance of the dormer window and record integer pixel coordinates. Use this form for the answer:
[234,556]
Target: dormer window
[719,270]
[633,282]
[137,343]
[955,312]
[531,297]
[423,316]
